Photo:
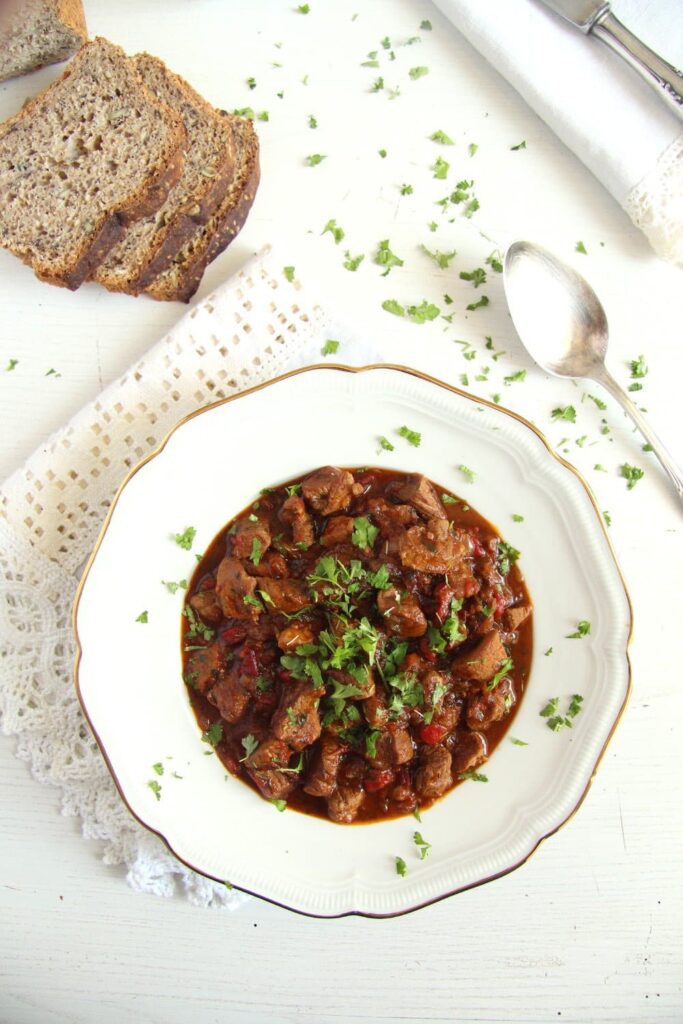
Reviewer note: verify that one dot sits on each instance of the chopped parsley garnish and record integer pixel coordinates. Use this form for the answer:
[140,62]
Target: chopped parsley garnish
[315,158]
[558,722]
[386,444]
[494,260]
[580,247]
[143,617]
[472,148]
[329,348]
[442,259]
[303,8]
[441,168]
[158,768]
[186,538]
[386,258]
[352,262]
[280,804]
[401,867]
[197,628]
[312,121]
[583,629]
[364,533]
[406,190]
[173,587]
[567,413]
[413,437]
[483,301]
[371,742]
[518,743]
[336,232]
[476,276]
[473,777]
[517,518]
[432,225]
[607,517]
[392,306]
[382,153]
[631,473]
[548,652]
[418,72]
[439,136]
[515,378]
[448,499]
[575,705]
[426,25]
[507,556]
[520,145]
[251,82]
[505,667]
[638,367]
[289,273]
[155,787]
[52,373]
[599,402]
[417,815]
[11,364]
[469,474]
[378,84]
[422,844]
[550,708]
[214,734]
[256,551]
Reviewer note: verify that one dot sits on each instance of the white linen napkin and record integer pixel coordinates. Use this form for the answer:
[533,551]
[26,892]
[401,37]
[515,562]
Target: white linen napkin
[600,108]
[253,327]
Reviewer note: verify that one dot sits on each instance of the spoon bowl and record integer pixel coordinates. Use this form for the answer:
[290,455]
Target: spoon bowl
[563,326]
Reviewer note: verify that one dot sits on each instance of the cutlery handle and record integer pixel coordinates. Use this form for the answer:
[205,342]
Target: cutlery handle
[662,76]
[608,382]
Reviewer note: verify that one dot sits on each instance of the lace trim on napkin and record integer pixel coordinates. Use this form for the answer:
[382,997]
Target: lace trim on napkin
[252,328]
[655,205]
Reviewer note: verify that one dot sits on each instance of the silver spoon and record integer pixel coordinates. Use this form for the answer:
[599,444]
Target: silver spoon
[563,326]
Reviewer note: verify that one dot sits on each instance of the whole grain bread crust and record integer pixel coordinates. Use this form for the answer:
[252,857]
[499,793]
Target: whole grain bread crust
[225,225]
[71,13]
[171,238]
[76,267]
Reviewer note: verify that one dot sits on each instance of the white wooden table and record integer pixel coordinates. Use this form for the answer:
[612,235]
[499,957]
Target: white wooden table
[588,930]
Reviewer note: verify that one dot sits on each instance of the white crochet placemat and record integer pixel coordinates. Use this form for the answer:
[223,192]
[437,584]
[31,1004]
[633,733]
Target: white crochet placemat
[252,328]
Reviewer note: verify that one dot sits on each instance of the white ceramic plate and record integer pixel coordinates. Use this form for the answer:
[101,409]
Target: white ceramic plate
[208,469]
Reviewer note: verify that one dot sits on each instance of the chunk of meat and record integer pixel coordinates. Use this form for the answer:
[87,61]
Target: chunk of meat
[295,514]
[433,548]
[330,490]
[468,752]
[233,585]
[262,767]
[375,710]
[344,804]
[514,617]
[285,595]
[484,707]
[322,775]
[402,615]
[272,564]
[418,492]
[294,636]
[433,777]
[230,694]
[481,663]
[337,531]
[402,746]
[296,720]
[391,519]
[204,667]
[207,607]
[246,533]
[448,714]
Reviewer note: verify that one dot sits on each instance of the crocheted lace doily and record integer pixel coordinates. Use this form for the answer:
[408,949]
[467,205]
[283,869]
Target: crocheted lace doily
[655,205]
[255,326]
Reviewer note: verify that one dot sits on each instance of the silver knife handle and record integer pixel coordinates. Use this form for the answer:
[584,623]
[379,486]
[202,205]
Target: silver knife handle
[661,75]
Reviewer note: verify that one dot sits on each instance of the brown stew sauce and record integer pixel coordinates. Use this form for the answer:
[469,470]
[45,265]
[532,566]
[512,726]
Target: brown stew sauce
[219,635]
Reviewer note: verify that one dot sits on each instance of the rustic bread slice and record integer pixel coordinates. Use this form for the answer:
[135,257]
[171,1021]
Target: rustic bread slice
[182,278]
[89,155]
[38,32]
[148,246]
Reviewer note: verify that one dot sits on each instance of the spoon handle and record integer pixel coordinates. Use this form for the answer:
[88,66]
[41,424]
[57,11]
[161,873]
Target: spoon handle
[609,383]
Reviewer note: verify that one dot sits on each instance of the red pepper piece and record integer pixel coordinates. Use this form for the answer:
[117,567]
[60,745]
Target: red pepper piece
[249,661]
[425,650]
[432,734]
[233,635]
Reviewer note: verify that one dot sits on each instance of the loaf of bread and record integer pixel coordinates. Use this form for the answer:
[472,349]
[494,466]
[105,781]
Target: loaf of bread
[38,32]
[93,153]
[150,245]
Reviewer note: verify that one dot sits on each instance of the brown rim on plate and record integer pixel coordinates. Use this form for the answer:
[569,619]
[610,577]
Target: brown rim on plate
[260,387]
